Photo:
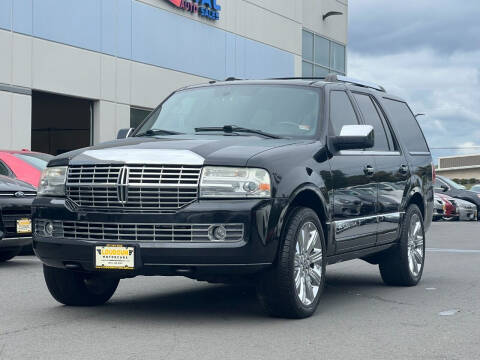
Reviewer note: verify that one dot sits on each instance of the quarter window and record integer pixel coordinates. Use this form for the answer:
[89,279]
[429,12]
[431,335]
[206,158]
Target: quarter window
[341,111]
[406,126]
[372,117]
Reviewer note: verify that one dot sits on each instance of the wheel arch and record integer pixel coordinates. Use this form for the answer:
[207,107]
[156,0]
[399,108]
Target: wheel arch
[417,199]
[310,196]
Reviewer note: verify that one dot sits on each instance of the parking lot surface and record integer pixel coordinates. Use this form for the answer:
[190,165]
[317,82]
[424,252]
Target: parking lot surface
[177,318]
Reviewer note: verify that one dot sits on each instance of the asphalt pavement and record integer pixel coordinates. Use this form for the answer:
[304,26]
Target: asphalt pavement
[178,318]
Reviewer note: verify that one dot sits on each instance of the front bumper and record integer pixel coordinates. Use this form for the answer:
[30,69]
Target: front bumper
[255,251]
[7,243]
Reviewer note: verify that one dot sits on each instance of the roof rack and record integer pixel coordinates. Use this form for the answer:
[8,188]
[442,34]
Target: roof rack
[345,79]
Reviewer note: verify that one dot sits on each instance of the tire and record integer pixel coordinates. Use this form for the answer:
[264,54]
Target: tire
[404,264]
[277,290]
[6,255]
[78,289]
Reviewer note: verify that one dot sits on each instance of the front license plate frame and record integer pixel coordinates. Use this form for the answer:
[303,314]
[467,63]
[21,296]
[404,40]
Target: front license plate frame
[24,226]
[114,257]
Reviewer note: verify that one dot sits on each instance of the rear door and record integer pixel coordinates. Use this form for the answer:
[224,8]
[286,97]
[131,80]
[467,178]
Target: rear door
[391,168]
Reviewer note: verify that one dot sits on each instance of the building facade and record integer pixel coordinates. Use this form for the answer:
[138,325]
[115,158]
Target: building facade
[74,72]
[463,167]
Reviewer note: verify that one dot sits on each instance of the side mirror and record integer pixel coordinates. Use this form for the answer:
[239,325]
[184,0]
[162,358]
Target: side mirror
[353,137]
[124,133]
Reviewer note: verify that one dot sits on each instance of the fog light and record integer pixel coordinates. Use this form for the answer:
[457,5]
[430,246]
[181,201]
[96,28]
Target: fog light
[49,228]
[217,233]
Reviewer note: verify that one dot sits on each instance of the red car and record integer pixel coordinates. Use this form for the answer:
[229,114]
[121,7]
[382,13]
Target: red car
[450,206]
[23,165]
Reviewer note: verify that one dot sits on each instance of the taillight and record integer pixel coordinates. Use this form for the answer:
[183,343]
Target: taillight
[434,174]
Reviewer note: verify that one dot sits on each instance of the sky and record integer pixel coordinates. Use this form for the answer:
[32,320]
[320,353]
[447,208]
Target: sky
[428,52]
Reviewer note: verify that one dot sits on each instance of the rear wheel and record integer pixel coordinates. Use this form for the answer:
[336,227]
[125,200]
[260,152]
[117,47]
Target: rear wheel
[403,266]
[79,289]
[293,287]
[6,255]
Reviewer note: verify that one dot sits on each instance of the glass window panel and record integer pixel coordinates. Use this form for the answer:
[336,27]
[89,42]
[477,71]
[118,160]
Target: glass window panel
[322,51]
[307,69]
[320,71]
[406,126]
[137,116]
[307,45]
[338,57]
[341,111]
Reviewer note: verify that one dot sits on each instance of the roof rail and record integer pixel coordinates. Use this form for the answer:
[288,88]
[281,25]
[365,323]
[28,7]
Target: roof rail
[345,79]
[231,78]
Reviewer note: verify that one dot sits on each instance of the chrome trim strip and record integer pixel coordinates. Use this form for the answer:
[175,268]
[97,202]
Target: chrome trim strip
[343,225]
[254,264]
[418,153]
[368,152]
[139,156]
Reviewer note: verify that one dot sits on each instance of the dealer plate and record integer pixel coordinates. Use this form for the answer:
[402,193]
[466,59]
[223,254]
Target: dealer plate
[24,226]
[116,257]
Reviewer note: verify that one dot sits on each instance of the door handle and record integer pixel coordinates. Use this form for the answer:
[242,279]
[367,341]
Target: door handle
[368,170]
[403,169]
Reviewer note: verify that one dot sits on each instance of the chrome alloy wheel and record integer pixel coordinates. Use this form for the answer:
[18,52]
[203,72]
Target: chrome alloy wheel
[415,245]
[308,262]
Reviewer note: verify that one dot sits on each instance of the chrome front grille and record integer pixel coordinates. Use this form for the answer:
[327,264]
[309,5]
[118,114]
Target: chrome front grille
[120,232]
[164,188]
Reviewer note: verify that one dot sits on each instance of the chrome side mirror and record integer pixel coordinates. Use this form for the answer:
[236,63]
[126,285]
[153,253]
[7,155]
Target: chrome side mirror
[124,133]
[354,137]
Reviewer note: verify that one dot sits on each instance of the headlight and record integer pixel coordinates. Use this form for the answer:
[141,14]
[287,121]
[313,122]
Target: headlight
[52,182]
[229,182]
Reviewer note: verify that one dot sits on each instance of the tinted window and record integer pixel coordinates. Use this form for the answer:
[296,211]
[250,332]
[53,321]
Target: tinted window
[406,125]
[391,139]
[372,117]
[4,170]
[281,110]
[341,111]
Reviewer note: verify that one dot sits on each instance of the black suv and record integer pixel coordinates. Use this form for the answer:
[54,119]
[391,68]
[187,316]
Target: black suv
[15,216]
[261,181]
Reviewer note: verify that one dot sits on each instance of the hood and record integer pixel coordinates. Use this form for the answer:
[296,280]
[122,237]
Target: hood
[13,185]
[230,150]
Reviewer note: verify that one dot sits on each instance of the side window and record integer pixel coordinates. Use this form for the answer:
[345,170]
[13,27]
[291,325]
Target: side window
[4,170]
[391,139]
[341,111]
[372,117]
[406,126]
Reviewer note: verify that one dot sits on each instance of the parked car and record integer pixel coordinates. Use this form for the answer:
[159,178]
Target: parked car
[450,207]
[451,188]
[23,165]
[475,188]
[441,207]
[242,180]
[466,210]
[15,216]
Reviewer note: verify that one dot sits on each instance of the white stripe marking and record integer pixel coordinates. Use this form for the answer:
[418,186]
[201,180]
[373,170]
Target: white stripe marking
[453,251]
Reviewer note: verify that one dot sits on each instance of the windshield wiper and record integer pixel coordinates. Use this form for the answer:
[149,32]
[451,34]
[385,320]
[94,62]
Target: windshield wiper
[153,132]
[232,128]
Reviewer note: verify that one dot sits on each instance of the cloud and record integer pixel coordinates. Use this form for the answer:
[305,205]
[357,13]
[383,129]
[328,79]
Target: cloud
[444,87]
[428,53]
[382,27]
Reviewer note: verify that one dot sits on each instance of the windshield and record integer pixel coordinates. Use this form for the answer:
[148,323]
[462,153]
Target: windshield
[453,184]
[289,111]
[38,161]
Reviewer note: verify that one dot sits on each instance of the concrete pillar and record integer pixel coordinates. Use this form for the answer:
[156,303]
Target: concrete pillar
[108,118]
[16,121]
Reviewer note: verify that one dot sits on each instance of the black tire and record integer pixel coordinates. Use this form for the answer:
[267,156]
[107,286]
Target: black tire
[395,267]
[78,289]
[9,254]
[276,289]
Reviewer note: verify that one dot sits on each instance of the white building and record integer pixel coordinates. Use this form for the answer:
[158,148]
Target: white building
[74,72]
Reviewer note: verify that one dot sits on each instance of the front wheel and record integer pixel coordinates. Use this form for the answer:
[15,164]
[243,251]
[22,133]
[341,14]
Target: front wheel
[403,265]
[78,289]
[292,288]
